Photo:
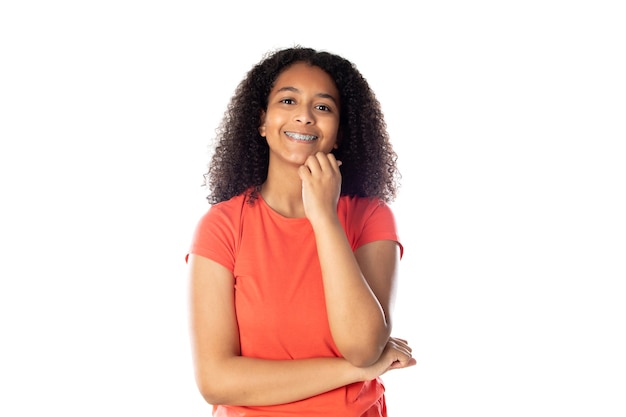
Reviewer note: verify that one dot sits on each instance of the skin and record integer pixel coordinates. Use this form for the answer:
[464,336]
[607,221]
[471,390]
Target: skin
[304,180]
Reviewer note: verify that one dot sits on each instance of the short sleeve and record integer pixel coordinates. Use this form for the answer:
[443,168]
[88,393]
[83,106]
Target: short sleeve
[369,220]
[215,236]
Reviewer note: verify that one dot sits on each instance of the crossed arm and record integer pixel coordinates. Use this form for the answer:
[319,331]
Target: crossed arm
[224,376]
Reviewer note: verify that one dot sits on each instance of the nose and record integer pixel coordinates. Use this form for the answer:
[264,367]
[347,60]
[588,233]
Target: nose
[305,116]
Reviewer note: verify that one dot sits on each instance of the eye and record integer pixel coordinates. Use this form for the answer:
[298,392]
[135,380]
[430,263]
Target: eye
[322,107]
[287,101]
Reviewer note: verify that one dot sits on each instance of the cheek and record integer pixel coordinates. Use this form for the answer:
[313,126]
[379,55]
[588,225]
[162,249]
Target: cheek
[272,122]
[332,129]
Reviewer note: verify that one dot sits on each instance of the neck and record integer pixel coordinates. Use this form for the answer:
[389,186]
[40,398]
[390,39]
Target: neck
[283,193]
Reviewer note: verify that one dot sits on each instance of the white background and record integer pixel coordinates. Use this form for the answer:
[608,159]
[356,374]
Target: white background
[509,118]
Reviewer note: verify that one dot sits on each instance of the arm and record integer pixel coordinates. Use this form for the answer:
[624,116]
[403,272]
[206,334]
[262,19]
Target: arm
[359,287]
[224,376]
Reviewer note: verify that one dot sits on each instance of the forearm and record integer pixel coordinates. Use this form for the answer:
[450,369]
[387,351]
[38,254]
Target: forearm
[357,320]
[249,381]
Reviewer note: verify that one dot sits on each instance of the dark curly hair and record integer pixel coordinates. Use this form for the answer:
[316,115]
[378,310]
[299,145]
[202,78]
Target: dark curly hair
[241,156]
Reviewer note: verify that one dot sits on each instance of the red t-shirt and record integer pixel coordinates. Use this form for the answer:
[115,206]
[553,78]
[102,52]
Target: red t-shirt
[279,294]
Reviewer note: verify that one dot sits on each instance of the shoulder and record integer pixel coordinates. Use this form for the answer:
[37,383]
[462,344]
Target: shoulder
[362,206]
[235,204]
[225,214]
[365,214]
[367,220]
[217,233]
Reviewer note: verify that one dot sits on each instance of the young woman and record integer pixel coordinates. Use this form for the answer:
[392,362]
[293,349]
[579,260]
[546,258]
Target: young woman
[293,267]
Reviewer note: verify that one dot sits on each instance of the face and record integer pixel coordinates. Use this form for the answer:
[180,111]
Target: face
[302,116]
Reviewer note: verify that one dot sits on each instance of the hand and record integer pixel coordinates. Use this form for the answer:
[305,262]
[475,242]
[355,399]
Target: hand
[321,185]
[396,355]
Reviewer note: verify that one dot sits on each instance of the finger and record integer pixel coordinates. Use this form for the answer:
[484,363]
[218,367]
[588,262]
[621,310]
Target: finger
[312,162]
[326,160]
[403,343]
[323,160]
[398,364]
[403,349]
[399,342]
[334,163]
[304,173]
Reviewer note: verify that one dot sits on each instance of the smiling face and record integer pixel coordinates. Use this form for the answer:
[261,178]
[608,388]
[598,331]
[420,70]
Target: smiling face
[302,115]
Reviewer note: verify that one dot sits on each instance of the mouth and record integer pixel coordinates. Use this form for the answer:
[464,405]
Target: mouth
[301,137]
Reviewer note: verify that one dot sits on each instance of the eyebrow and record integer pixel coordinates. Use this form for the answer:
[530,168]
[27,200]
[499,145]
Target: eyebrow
[295,90]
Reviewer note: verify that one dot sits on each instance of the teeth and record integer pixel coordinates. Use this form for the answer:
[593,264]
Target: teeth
[299,136]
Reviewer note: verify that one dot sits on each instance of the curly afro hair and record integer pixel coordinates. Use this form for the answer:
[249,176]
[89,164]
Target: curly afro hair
[241,155]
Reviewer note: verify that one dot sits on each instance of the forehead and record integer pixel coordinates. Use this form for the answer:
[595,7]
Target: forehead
[305,77]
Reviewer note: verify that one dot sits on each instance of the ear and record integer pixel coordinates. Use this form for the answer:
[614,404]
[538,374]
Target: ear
[338,139]
[262,124]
